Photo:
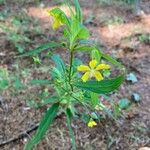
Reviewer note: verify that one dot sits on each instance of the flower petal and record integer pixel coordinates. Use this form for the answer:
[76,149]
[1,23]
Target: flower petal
[83,68]
[56,24]
[92,123]
[102,66]
[86,76]
[93,63]
[98,76]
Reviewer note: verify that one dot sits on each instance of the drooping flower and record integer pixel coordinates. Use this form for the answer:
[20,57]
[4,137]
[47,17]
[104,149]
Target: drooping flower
[56,19]
[92,123]
[93,70]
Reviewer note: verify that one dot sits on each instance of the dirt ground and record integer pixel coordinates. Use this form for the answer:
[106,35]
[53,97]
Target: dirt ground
[116,28]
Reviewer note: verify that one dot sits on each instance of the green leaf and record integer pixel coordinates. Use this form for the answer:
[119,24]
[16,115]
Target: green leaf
[94,115]
[3,84]
[41,82]
[17,83]
[43,127]
[87,48]
[94,99]
[20,48]
[59,64]
[111,60]
[84,45]
[106,73]
[37,60]
[41,48]
[95,55]
[53,99]
[78,31]
[78,11]
[124,103]
[116,110]
[76,63]
[85,118]
[60,16]
[83,33]
[101,87]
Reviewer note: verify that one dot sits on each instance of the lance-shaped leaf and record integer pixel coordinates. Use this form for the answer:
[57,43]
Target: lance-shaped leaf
[43,127]
[59,63]
[101,87]
[41,48]
[112,60]
[78,10]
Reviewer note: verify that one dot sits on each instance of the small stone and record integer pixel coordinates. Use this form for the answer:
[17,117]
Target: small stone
[136,97]
[144,148]
[131,77]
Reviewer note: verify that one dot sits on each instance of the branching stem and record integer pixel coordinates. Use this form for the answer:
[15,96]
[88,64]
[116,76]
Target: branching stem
[70,69]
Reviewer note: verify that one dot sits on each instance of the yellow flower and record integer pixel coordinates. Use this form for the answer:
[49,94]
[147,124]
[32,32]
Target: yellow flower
[56,20]
[92,123]
[93,70]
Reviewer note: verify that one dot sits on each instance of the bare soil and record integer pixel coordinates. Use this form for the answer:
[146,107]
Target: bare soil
[120,40]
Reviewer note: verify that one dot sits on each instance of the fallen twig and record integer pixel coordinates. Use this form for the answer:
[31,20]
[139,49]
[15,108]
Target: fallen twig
[24,133]
[20,135]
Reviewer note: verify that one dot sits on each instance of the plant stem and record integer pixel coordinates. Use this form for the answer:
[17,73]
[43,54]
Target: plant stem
[70,69]
[70,129]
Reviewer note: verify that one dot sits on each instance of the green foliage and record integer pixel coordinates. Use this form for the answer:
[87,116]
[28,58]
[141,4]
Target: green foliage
[16,38]
[101,87]
[18,28]
[46,121]
[41,48]
[95,55]
[69,88]
[2,2]
[94,99]
[145,38]
[113,20]
[59,64]
[4,80]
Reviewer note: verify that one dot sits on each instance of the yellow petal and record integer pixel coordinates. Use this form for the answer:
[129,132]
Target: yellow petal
[86,76]
[102,66]
[98,76]
[93,63]
[83,68]
[50,13]
[56,20]
[56,24]
[89,124]
[92,123]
